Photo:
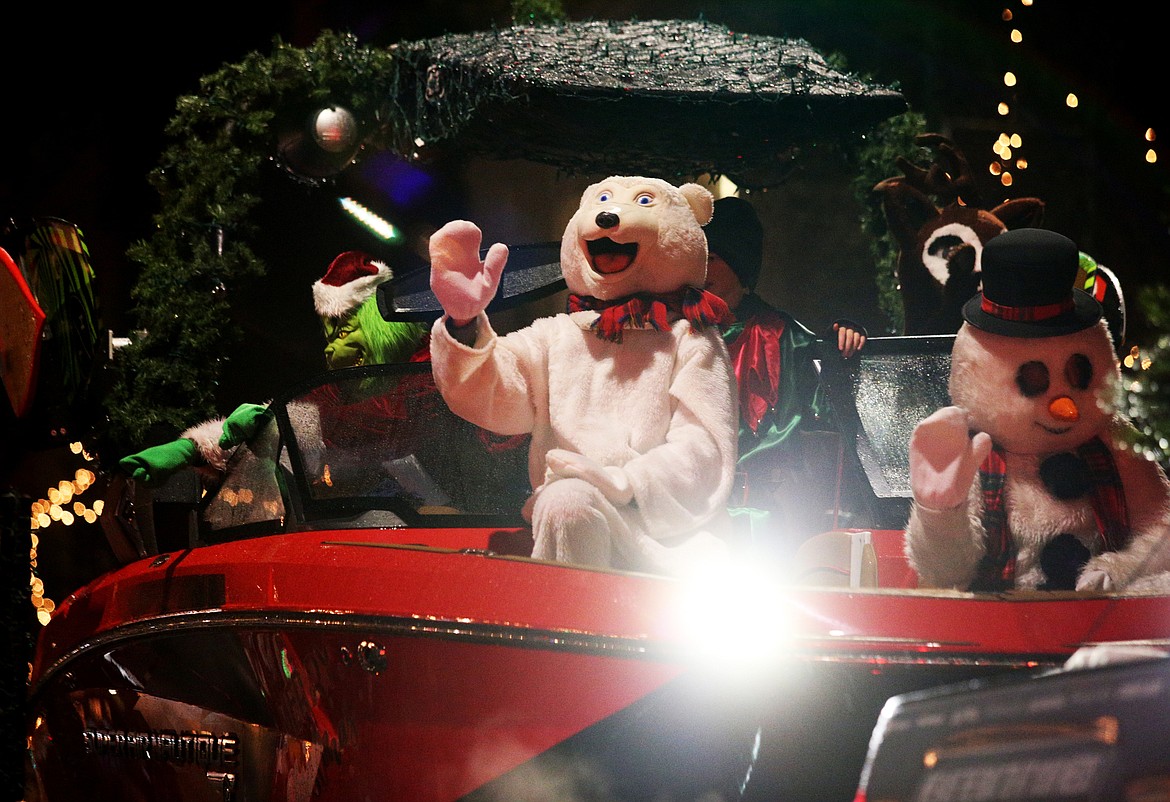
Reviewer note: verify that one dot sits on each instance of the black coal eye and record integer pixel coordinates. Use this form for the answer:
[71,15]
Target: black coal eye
[1032,378]
[1078,371]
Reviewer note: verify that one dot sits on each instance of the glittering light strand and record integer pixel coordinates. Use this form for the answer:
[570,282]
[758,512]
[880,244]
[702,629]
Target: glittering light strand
[1006,146]
[1011,80]
[61,504]
[369,219]
[1135,361]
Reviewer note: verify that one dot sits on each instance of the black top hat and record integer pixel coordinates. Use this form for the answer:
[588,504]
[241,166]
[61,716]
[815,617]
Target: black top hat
[1028,287]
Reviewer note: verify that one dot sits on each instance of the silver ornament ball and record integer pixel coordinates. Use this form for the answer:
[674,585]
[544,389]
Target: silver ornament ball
[335,130]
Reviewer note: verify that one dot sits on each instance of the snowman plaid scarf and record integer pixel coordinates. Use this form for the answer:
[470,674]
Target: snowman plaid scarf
[997,570]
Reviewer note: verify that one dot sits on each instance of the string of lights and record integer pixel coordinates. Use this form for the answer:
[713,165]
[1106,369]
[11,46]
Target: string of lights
[61,505]
[1142,388]
[1007,146]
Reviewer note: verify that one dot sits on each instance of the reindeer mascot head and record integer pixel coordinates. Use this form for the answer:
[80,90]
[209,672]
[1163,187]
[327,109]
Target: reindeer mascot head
[940,246]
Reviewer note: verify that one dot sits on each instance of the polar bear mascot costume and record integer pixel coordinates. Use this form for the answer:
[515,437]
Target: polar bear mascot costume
[628,395]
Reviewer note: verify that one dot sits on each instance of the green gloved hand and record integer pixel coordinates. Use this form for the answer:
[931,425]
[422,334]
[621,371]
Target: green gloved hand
[242,424]
[155,464]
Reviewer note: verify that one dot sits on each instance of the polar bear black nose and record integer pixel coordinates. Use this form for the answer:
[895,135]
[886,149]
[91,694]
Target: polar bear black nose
[607,219]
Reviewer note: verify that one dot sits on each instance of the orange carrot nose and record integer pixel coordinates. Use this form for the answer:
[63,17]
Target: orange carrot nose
[1064,408]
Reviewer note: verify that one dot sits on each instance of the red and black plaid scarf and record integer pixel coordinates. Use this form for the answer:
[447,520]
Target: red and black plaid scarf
[644,310]
[997,570]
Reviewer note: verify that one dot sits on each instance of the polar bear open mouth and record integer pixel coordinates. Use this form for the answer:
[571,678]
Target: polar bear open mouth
[608,256]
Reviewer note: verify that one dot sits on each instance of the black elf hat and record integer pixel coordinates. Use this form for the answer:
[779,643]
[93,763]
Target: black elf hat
[1028,277]
[736,234]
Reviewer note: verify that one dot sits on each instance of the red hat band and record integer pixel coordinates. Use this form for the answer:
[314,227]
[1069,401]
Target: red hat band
[1031,314]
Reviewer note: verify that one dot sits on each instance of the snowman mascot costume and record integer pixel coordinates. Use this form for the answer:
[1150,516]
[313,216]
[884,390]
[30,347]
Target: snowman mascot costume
[1025,482]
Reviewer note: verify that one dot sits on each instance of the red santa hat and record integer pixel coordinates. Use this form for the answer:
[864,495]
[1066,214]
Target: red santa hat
[350,281]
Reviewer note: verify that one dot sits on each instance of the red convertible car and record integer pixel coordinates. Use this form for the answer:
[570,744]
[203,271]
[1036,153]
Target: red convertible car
[351,614]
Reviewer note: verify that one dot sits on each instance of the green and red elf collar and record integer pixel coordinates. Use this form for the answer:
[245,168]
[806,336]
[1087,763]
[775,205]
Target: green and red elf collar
[755,353]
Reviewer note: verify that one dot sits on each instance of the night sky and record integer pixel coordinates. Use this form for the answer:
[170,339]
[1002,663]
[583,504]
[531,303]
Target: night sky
[88,97]
[88,93]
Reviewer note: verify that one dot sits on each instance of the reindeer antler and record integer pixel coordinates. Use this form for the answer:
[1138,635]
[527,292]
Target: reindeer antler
[949,177]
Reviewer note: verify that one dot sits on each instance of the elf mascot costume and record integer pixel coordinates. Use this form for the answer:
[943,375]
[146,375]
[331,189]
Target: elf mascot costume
[355,334]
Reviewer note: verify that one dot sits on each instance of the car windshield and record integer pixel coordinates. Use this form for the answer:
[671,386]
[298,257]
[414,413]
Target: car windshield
[371,446]
[878,397]
[377,446]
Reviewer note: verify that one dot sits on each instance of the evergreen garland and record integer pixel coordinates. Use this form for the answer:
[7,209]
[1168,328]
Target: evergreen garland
[533,12]
[1147,391]
[876,158]
[166,378]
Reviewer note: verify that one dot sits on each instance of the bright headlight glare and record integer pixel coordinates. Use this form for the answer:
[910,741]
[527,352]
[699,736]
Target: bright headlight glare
[734,617]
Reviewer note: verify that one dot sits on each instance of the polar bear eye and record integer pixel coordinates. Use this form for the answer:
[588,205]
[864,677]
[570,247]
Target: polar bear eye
[604,197]
[1032,378]
[645,199]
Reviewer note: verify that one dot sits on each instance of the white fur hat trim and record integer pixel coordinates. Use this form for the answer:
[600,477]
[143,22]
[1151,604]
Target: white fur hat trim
[348,283]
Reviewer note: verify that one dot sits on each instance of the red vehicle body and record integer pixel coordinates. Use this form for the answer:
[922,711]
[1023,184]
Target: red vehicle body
[350,615]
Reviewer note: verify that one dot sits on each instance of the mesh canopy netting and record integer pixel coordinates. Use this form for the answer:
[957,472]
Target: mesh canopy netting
[668,98]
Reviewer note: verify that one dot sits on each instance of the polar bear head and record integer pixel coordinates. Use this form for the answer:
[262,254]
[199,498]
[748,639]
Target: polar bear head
[636,235]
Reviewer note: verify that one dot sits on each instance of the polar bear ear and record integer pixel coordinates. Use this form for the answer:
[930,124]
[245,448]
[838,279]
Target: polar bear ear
[701,201]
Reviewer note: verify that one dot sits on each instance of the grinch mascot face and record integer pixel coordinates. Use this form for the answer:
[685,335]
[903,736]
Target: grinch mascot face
[345,343]
[364,337]
[355,331]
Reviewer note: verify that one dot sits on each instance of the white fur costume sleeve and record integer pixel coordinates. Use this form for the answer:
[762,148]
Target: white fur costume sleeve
[944,546]
[659,405]
[206,436]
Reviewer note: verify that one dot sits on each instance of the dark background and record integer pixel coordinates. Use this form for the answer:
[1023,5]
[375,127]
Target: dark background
[88,92]
[88,95]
